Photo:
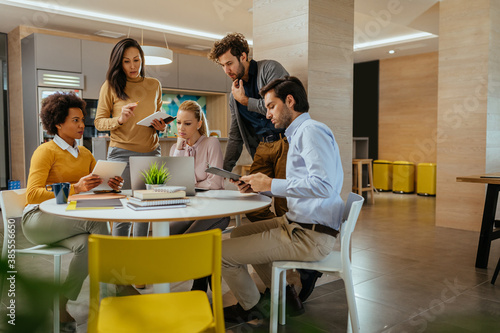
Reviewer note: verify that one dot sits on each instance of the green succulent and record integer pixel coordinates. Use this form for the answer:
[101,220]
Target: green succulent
[155,175]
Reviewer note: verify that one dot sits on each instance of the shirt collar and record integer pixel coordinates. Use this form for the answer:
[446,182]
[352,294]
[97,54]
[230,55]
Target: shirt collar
[290,130]
[64,145]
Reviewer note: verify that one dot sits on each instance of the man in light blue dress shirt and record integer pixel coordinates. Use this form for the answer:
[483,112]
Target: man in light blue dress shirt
[312,189]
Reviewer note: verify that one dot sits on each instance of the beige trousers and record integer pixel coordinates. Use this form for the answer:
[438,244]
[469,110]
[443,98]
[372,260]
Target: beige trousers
[261,243]
[40,228]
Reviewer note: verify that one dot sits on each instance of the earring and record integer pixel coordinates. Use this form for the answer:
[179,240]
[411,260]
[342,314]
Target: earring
[198,128]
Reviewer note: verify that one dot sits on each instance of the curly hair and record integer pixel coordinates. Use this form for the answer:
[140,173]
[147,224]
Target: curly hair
[235,42]
[55,109]
[116,76]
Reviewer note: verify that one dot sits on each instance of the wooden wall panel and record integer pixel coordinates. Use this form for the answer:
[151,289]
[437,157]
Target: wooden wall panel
[408,108]
[467,146]
[16,122]
[313,40]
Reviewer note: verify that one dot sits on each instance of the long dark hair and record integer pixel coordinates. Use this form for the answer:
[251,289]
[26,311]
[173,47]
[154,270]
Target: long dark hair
[116,76]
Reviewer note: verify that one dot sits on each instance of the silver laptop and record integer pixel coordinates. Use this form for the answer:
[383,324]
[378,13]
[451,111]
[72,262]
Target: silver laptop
[181,171]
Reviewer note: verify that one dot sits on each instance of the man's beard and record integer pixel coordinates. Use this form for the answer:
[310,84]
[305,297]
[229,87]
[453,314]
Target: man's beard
[284,120]
[241,71]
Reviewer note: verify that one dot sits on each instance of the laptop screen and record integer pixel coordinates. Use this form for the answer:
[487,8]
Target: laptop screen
[181,171]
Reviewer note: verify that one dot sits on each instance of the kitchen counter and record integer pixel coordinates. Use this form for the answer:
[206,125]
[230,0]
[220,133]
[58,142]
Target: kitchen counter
[100,146]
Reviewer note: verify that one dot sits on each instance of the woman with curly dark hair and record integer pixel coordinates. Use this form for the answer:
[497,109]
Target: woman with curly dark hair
[126,97]
[56,161]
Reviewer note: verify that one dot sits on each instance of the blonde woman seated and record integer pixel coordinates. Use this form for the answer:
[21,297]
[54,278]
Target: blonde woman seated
[56,161]
[193,141]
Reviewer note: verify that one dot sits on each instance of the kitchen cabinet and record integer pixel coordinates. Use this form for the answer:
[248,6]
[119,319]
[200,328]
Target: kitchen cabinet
[200,73]
[56,52]
[168,75]
[95,62]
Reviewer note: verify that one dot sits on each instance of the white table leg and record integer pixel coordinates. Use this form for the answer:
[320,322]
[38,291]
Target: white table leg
[161,229]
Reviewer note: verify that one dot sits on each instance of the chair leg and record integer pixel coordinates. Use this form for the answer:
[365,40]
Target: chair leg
[494,278]
[370,178]
[353,321]
[275,290]
[360,179]
[282,320]
[57,282]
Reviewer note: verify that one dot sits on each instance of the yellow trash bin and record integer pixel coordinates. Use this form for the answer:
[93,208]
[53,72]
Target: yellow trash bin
[426,179]
[403,177]
[382,175]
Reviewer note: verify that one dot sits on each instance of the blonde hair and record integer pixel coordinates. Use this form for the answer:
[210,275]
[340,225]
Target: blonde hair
[198,114]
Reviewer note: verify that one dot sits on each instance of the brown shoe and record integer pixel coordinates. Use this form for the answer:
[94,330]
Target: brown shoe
[294,306]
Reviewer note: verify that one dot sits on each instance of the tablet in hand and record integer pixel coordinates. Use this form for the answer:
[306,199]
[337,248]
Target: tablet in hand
[107,170]
[223,173]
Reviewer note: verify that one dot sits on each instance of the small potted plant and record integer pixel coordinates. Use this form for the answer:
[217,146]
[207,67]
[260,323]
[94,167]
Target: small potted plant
[156,176]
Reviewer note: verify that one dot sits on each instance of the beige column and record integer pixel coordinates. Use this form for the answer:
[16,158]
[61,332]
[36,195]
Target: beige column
[468,140]
[313,40]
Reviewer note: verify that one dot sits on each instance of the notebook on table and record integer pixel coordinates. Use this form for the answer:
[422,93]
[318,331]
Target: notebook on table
[181,171]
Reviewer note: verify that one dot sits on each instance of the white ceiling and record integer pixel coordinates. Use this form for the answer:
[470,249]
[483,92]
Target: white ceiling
[375,20]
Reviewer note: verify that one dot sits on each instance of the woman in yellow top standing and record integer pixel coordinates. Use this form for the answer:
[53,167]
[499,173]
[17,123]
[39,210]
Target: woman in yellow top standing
[127,97]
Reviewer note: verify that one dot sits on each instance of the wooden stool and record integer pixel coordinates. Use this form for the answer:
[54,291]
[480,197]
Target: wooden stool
[357,180]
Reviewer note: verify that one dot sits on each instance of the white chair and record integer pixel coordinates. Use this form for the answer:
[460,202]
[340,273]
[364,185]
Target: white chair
[12,204]
[336,261]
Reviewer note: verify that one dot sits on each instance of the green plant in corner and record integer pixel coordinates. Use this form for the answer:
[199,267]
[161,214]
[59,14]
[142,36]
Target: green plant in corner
[155,175]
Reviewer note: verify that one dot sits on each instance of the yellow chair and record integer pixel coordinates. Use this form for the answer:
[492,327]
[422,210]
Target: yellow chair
[121,260]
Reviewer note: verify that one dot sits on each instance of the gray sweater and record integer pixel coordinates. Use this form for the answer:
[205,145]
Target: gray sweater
[267,71]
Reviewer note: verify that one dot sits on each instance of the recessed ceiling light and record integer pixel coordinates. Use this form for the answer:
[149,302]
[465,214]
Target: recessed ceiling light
[110,34]
[393,40]
[391,52]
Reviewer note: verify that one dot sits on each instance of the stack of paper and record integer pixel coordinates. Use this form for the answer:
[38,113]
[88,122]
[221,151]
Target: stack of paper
[159,198]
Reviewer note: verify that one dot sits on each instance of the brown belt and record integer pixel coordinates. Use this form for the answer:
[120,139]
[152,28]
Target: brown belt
[318,227]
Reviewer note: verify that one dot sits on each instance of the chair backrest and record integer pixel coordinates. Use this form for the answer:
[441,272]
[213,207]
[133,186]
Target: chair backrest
[12,204]
[121,260]
[351,213]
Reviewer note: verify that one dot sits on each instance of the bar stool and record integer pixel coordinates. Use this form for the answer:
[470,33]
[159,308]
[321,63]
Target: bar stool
[357,176]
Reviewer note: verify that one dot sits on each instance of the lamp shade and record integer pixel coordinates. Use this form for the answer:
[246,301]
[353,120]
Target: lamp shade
[155,55]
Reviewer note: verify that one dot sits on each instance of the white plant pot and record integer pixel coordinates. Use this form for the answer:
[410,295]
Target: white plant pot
[153,186]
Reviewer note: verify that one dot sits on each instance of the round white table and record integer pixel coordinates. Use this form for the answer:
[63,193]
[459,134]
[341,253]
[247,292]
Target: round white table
[204,205]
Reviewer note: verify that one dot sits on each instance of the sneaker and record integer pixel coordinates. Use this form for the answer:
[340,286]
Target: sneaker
[236,314]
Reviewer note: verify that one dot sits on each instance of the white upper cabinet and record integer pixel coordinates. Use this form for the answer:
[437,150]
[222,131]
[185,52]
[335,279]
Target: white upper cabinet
[95,62]
[57,53]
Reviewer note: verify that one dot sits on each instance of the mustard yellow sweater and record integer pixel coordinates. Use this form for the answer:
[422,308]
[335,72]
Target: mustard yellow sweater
[130,136]
[50,164]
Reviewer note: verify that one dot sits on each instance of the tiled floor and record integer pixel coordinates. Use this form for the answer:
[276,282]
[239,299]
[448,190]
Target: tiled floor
[409,276]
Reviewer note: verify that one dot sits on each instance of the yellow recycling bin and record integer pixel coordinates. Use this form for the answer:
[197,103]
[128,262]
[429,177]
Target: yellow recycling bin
[426,179]
[382,175]
[403,177]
